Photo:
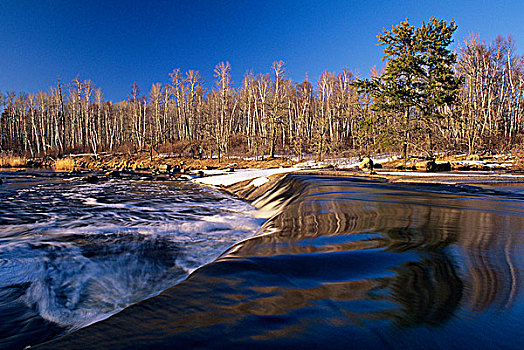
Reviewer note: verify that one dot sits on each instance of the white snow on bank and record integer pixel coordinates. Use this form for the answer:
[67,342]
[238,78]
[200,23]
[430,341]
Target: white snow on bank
[355,162]
[446,174]
[484,163]
[346,163]
[385,158]
[227,179]
[213,172]
[259,176]
[259,181]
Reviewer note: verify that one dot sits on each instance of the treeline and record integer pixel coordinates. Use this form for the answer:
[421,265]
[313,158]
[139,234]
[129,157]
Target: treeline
[270,114]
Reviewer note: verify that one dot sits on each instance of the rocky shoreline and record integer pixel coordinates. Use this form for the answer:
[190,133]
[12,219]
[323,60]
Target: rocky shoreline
[144,163]
[455,170]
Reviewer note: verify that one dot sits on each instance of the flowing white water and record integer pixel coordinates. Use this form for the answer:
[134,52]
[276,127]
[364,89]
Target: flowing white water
[77,253]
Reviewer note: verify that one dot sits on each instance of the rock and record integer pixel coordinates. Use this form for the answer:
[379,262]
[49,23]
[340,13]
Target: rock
[474,157]
[113,173]
[420,165]
[92,179]
[198,173]
[230,170]
[366,163]
[433,166]
[210,167]
[164,168]
[444,166]
[184,177]
[327,166]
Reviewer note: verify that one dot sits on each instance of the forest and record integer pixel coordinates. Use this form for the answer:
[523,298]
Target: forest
[426,99]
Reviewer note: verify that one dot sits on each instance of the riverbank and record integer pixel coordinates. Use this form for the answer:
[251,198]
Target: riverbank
[142,161]
[138,162]
[254,175]
[513,162]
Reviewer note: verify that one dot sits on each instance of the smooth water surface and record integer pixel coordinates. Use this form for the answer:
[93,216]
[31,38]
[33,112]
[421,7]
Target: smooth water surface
[73,253]
[348,264]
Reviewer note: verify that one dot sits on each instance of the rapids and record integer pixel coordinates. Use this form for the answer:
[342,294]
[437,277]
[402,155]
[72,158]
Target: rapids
[73,253]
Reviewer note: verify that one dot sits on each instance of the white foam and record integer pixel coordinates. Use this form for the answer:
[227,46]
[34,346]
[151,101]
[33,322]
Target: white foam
[74,289]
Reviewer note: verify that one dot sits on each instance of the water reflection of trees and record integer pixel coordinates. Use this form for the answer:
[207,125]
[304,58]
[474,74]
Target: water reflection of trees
[429,291]
[428,288]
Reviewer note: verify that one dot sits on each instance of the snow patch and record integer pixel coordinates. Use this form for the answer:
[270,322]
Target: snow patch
[241,175]
[484,163]
[447,174]
[259,181]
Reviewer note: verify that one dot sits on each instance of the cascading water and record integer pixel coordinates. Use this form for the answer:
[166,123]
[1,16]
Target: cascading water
[73,253]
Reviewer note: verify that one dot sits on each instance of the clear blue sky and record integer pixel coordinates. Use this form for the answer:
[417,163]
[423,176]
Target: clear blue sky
[116,43]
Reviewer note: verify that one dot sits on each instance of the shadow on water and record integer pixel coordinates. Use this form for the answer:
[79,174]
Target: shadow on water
[346,264]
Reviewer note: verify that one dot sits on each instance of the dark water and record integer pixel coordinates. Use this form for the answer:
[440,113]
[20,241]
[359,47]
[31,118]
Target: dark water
[347,264]
[73,253]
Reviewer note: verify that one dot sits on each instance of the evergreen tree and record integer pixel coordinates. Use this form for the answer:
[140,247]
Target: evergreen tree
[418,78]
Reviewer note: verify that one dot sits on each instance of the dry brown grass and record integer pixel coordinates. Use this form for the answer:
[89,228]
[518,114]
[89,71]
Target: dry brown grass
[518,163]
[10,161]
[64,164]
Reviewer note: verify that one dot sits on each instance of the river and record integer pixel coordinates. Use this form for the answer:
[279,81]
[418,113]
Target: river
[73,253]
[341,263]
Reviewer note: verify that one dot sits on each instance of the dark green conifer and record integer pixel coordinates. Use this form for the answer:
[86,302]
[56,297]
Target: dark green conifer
[418,79]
